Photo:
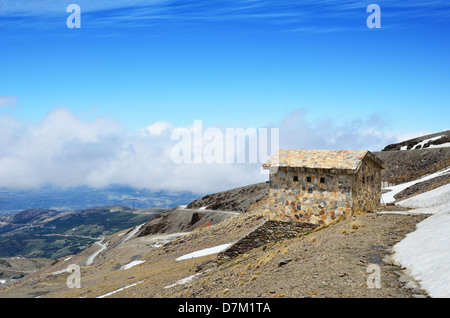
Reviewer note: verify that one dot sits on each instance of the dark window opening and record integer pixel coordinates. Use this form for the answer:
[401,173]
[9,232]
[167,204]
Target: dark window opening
[295,178]
[322,180]
[308,179]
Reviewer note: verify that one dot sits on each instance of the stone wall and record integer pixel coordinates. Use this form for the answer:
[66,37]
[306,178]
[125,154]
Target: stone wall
[366,187]
[319,196]
[316,196]
[266,232]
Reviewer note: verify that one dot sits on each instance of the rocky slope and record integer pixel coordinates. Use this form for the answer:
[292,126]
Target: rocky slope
[435,140]
[400,162]
[331,261]
[238,199]
[183,220]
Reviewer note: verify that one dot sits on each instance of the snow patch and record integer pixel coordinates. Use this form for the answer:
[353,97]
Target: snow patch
[185,280]
[204,252]
[425,252]
[435,199]
[422,143]
[132,264]
[120,289]
[388,197]
[447,144]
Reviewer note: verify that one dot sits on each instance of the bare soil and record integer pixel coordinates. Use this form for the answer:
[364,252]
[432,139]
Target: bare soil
[330,262]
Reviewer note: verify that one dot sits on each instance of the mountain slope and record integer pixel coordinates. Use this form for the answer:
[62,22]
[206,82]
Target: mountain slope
[238,199]
[308,266]
[147,260]
[436,140]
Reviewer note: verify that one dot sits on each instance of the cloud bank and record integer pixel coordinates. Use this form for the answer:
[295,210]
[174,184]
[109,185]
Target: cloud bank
[67,151]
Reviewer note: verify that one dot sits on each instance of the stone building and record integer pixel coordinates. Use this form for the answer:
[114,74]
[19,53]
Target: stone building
[318,186]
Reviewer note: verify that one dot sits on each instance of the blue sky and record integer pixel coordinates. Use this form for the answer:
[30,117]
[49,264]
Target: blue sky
[230,63]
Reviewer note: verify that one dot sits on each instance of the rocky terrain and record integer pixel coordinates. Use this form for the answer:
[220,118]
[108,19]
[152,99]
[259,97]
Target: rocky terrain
[400,163]
[153,259]
[181,219]
[422,187]
[329,262]
[238,199]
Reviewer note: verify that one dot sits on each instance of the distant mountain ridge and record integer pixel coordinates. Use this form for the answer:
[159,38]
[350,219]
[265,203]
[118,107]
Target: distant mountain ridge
[436,140]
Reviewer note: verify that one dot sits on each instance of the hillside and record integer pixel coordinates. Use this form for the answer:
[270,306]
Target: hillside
[431,141]
[307,266]
[175,253]
[402,162]
[238,199]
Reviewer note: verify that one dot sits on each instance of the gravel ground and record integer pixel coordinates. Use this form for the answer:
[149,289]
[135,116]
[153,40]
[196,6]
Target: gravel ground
[332,262]
[406,162]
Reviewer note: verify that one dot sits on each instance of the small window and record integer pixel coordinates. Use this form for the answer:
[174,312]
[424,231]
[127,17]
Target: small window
[308,179]
[322,180]
[363,180]
[295,178]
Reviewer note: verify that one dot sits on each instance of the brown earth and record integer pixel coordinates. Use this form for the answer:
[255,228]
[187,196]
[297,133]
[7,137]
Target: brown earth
[330,262]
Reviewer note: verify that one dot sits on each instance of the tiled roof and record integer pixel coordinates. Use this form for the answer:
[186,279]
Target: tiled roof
[321,159]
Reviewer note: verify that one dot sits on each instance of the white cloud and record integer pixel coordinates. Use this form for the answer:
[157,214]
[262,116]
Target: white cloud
[158,127]
[296,132]
[67,151]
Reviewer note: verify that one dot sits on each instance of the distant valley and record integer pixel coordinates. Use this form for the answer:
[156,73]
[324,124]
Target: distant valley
[49,197]
[44,233]
[52,222]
